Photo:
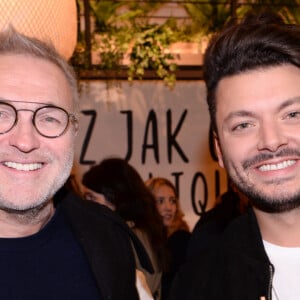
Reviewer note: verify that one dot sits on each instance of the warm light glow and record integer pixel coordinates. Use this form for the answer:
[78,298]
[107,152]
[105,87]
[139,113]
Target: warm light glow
[53,20]
[187,53]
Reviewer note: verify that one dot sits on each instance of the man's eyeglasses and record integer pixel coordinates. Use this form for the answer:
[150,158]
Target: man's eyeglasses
[50,121]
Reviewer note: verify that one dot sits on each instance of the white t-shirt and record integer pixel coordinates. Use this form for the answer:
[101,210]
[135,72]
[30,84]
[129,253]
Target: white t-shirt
[286,281]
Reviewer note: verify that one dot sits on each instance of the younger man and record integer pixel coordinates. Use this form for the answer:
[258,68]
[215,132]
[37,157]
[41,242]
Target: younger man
[252,73]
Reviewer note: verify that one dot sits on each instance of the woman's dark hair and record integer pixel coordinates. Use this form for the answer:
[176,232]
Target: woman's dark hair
[122,185]
[260,40]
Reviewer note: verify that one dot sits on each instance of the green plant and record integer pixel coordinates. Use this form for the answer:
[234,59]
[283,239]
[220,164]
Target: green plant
[209,16]
[122,30]
[150,52]
[119,32]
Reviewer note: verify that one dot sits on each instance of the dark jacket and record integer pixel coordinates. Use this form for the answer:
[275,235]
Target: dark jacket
[177,245]
[107,242]
[212,223]
[236,269]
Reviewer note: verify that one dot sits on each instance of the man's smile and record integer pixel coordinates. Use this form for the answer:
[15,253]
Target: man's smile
[23,166]
[277,166]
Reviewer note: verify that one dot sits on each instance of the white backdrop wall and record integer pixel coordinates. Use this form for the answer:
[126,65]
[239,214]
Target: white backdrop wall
[161,132]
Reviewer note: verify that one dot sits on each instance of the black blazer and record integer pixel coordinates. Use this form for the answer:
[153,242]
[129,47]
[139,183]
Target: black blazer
[107,242]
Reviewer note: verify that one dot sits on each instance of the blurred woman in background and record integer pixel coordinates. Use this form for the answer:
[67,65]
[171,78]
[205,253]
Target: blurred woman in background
[178,233]
[116,184]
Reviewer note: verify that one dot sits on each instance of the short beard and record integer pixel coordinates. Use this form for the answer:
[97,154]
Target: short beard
[268,204]
[26,216]
[258,199]
[51,187]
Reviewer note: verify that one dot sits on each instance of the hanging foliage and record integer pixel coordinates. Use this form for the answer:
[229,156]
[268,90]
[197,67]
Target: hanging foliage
[122,31]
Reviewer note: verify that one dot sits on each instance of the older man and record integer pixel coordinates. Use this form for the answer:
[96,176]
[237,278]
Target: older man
[79,250]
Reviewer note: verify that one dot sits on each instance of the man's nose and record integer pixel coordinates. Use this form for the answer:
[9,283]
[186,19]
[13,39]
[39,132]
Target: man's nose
[271,137]
[23,135]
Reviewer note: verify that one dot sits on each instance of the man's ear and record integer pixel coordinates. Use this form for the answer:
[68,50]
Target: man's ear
[218,149]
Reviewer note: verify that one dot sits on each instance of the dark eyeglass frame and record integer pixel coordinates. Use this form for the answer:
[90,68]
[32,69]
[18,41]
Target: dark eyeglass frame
[71,118]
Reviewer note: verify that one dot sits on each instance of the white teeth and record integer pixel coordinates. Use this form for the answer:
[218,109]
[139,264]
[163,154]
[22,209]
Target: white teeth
[279,166]
[23,167]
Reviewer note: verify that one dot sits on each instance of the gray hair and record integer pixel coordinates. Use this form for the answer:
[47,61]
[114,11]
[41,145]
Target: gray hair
[13,42]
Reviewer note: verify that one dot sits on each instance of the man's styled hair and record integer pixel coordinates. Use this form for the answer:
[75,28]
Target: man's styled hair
[13,42]
[258,41]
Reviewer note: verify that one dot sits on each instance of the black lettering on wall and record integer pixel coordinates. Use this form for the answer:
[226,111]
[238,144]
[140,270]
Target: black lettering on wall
[217,184]
[129,133]
[171,136]
[199,206]
[88,135]
[177,183]
[211,143]
[151,125]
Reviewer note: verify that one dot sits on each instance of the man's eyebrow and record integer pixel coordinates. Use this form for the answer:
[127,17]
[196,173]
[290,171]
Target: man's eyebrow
[239,113]
[245,113]
[289,102]
[19,101]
